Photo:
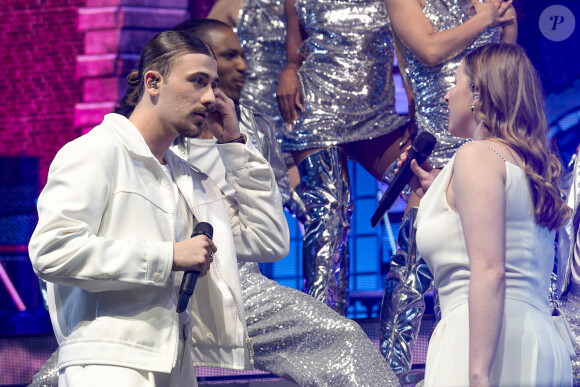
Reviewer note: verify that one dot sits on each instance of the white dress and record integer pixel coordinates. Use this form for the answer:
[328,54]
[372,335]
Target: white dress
[530,352]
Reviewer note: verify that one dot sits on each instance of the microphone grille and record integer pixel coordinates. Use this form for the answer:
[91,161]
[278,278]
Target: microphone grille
[425,143]
[204,228]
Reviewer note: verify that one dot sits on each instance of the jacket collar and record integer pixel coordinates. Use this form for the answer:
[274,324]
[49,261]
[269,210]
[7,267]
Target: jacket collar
[128,133]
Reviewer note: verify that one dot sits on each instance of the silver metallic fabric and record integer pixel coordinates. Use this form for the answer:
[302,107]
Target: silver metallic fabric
[47,376]
[570,305]
[569,263]
[303,340]
[431,83]
[327,196]
[262,132]
[403,304]
[262,31]
[568,241]
[346,78]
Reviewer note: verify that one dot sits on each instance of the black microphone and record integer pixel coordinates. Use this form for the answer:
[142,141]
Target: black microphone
[190,277]
[421,149]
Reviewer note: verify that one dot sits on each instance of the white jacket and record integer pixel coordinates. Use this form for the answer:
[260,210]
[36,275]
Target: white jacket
[104,242]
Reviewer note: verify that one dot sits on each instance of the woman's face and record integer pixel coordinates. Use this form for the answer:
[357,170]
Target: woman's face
[460,98]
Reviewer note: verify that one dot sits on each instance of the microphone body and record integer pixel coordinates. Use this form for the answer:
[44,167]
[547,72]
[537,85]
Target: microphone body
[421,149]
[190,277]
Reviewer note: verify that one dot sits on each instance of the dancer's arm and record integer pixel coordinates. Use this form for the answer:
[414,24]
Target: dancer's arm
[430,47]
[288,94]
[479,198]
[509,30]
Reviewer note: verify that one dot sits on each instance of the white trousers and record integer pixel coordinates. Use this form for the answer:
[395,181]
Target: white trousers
[182,375]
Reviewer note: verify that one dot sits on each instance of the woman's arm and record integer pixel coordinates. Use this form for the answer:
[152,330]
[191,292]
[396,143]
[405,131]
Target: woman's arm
[478,194]
[430,47]
[288,93]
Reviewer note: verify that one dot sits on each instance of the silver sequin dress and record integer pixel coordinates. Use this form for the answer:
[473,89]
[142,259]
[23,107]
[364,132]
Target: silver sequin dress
[346,76]
[262,31]
[431,83]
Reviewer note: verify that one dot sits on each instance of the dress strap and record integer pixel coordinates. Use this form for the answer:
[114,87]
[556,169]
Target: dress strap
[490,147]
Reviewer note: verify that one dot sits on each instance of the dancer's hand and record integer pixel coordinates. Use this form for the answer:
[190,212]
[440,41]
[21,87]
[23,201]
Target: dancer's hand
[424,174]
[289,96]
[496,11]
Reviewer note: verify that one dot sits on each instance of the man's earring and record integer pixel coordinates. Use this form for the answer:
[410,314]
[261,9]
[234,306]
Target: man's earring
[153,83]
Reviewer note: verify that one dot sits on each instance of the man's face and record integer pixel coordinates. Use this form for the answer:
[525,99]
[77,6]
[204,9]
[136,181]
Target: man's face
[187,93]
[230,60]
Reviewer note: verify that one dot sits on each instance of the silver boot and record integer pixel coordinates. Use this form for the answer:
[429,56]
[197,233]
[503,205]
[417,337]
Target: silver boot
[403,304]
[327,197]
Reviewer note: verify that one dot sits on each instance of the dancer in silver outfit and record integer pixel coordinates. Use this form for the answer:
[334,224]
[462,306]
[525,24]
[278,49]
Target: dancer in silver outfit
[457,28]
[336,96]
[261,27]
[568,284]
[431,83]
[293,335]
[262,31]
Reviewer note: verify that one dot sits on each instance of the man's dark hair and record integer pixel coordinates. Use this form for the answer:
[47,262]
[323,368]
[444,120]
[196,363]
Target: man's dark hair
[160,53]
[198,26]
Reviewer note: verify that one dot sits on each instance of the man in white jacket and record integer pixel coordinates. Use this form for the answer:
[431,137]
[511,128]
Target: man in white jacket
[114,224]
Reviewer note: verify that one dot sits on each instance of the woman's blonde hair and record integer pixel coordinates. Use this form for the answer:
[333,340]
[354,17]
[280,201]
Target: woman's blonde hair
[510,107]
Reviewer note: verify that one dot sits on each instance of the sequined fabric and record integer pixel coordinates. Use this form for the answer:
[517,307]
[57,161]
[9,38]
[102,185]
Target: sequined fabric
[327,197]
[346,78]
[431,83]
[570,305]
[569,262]
[403,304]
[47,376]
[568,238]
[303,340]
[262,31]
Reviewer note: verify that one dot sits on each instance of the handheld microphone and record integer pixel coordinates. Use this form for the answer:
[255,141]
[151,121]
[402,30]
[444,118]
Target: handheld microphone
[421,149]
[190,277]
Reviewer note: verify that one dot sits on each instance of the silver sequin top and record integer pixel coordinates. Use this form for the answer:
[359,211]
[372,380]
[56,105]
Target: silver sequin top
[431,83]
[262,31]
[346,78]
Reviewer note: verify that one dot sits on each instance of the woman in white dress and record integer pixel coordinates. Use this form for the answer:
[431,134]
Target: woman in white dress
[486,229]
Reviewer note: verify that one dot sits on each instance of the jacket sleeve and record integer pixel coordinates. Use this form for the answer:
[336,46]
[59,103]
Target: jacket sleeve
[273,154]
[66,248]
[258,222]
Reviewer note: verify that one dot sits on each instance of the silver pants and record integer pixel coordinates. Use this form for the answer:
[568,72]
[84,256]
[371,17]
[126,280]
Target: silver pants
[403,304]
[326,193]
[303,340]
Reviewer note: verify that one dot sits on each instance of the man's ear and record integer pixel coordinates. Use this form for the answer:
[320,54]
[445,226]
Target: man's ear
[152,82]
